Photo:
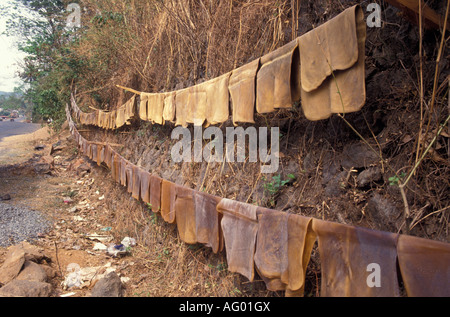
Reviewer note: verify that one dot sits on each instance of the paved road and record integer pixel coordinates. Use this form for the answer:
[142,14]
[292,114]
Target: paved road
[8,128]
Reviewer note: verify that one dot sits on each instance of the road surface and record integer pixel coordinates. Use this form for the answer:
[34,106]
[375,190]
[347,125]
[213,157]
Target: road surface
[8,128]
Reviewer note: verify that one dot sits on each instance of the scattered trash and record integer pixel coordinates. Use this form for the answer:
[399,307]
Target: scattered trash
[68,294]
[73,279]
[122,248]
[68,200]
[73,209]
[100,247]
[106,229]
[128,242]
[83,277]
[101,197]
[116,250]
[101,238]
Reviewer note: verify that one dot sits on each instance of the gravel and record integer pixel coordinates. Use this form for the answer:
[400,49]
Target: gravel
[18,224]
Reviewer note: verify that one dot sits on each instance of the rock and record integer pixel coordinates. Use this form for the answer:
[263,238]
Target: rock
[83,169]
[44,165]
[368,176]
[5,197]
[14,261]
[32,252]
[24,288]
[49,271]
[358,155]
[336,186]
[32,272]
[108,286]
[382,212]
[57,147]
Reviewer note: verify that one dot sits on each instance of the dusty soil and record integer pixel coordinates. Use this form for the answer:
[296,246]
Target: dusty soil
[20,148]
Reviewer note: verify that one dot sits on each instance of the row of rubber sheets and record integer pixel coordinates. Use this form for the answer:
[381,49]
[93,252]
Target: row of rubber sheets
[324,69]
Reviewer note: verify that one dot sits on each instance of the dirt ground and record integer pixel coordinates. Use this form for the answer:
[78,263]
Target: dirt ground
[16,149]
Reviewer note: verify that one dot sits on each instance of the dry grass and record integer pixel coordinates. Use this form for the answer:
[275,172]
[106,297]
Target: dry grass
[154,45]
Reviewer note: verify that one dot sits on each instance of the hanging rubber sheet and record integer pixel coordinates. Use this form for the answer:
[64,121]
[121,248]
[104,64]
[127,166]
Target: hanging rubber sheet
[283,249]
[207,221]
[332,66]
[239,226]
[242,87]
[347,256]
[278,79]
[424,266]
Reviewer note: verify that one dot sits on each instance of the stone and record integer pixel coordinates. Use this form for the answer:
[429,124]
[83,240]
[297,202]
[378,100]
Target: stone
[108,286]
[44,165]
[32,271]
[59,146]
[32,252]
[382,212]
[358,155]
[368,176]
[5,197]
[14,261]
[83,169]
[24,288]
[336,186]
[49,271]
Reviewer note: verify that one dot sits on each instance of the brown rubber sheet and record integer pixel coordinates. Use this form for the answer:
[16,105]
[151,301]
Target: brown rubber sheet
[143,106]
[207,220]
[239,225]
[346,255]
[145,186]
[169,107]
[168,197]
[136,192]
[278,79]
[155,108]
[185,214]
[424,266]
[332,66]
[242,88]
[283,250]
[181,104]
[155,193]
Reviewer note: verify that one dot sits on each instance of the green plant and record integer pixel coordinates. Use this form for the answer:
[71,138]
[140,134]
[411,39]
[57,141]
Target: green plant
[273,187]
[394,180]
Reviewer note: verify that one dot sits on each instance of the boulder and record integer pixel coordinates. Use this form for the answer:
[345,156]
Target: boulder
[44,165]
[32,271]
[108,286]
[14,261]
[25,288]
